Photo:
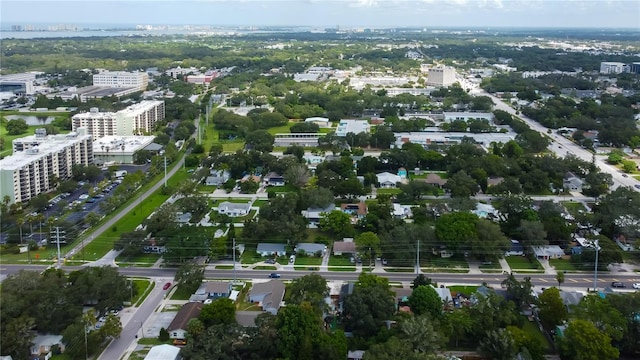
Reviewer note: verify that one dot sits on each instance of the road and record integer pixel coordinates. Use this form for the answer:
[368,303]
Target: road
[561,145]
[573,280]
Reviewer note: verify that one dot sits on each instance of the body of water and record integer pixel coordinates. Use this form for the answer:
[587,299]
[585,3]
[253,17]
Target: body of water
[32,120]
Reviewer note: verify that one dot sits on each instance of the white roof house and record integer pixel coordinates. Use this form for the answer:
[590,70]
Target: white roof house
[352,126]
[163,352]
[234,209]
[388,180]
[320,121]
[548,252]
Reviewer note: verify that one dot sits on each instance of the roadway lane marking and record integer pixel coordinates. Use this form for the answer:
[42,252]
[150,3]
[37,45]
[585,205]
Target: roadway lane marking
[573,280]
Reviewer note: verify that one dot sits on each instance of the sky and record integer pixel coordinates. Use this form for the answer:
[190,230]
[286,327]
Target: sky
[329,13]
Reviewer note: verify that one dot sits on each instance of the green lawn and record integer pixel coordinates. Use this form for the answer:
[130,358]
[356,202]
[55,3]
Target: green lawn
[451,262]
[467,290]
[8,145]
[181,294]
[563,264]
[531,328]
[389,191]
[143,287]
[282,189]
[250,256]
[522,263]
[281,129]
[308,260]
[573,207]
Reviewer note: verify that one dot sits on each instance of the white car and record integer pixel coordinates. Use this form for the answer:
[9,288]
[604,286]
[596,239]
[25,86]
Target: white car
[636,286]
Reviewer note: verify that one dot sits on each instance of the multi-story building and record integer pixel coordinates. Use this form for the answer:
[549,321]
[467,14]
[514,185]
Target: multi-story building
[39,160]
[427,139]
[634,68]
[467,115]
[136,119]
[441,76]
[608,67]
[352,126]
[122,79]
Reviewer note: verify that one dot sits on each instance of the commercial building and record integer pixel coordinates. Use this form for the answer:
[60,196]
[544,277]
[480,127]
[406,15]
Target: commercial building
[136,119]
[441,76]
[352,126]
[39,159]
[92,92]
[608,67]
[634,68]
[300,139]
[449,138]
[18,83]
[467,115]
[122,79]
[119,149]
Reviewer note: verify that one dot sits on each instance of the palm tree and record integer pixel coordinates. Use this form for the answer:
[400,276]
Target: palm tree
[50,221]
[40,219]
[560,278]
[20,222]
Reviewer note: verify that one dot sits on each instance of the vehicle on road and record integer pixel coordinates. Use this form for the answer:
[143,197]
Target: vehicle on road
[636,286]
[274,275]
[618,284]
[166,286]
[637,186]
[625,175]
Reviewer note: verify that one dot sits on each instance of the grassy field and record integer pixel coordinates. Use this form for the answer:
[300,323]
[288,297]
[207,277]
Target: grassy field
[446,263]
[308,260]
[143,289]
[281,129]
[389,191]
[522,263]
[181,294]
[531,328]
[8,139]
[467,290]
[563,264]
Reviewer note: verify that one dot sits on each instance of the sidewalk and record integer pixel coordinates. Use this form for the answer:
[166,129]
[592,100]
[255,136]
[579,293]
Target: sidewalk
[548,269]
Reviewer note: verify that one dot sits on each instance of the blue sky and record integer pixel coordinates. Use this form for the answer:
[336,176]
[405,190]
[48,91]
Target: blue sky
[323,13]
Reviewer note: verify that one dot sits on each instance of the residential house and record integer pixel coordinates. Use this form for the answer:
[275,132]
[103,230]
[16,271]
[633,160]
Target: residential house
[163,352]
[320,121]
[274,179]
[484,211]
[571,298]
[355,354]
[387,180]
[435,180]
[516,249]
[402,294]
[344,247]
[217,178]
[178,327]
[357,211]
[215,289]
[234,209]
[444,294]
[268,295]
[183,218]
[548,252]
[315,214]
[269,249]
[311,249]
[42,345]
[401,211]
[571,182]
[494,181]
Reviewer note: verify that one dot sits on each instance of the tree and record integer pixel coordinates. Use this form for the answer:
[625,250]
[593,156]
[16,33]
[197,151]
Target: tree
[220,311]
[295,150]
[310,288]
[368,242]
[316,198]
[560,278]
[370,304]
[461,185]
[299,327]
[112,327]
[189,275]
[425,300]
[16,127]
[458,324]
[394,349]
[583,341]
[422,334]
[532,233]
[552,309]
[457,230]
[249,186]
[491,243]
[518,291]
[336,223]
[17,336]
[297,175]
[527,343]
[260,140]
[597,184]
[498,345]
[603,315]
[420,280]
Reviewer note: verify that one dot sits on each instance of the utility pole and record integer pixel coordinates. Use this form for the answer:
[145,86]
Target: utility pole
[86,348]
[595,276]
[58,241]
[165,171]
[234,261]
[418,258]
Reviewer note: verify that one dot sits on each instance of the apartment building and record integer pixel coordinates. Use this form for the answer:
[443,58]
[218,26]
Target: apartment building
[609,67]
[136,119]
[39,159]
[122,79]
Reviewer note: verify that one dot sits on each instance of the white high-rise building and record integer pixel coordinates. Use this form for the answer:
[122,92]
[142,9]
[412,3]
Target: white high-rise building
[122,79]
[441,76]
[136,119]
[608,67]
[40,159]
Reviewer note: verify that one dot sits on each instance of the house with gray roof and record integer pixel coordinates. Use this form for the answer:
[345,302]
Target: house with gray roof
[269,249]
[571,182]
[215,289]
[268,295]
[315,214]
[234,209]
[217,177]
[311,249]
[347,246]
[548,252]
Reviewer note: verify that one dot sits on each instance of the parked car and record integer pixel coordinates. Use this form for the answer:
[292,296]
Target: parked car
[625,175]
[636,286]
[274,275]
[179,342]
[166,286]
[618,284]
[269,261]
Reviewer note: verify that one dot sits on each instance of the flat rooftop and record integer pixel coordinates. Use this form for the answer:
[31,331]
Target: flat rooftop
[115,143]
[100,91]
[47,145]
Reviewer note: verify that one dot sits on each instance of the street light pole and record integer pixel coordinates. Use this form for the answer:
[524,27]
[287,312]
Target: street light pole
[595,273]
